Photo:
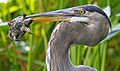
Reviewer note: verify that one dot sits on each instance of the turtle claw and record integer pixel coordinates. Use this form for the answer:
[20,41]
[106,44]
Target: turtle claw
[28,30]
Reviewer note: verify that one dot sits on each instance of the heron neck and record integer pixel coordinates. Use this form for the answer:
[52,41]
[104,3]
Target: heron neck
[59,46]
[60,60]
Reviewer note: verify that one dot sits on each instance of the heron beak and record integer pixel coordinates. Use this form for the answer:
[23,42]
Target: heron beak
[59,15]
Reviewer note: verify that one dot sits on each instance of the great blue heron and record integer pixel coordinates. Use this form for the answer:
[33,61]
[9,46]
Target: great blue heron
[86,24]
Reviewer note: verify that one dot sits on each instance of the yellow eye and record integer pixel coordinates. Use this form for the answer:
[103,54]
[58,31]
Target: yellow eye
[82,11]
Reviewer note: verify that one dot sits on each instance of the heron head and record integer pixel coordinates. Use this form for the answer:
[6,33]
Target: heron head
[84,13]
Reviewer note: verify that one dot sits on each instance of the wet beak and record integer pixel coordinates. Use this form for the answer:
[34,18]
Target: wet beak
[59,15]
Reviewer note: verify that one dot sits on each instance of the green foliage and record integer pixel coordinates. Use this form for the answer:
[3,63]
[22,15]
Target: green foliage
[104,57]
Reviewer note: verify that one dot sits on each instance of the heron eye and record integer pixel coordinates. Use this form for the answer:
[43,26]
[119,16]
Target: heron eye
[82,11]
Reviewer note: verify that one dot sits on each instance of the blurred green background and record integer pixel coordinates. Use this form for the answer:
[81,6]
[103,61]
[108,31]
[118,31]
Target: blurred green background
[30,53]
